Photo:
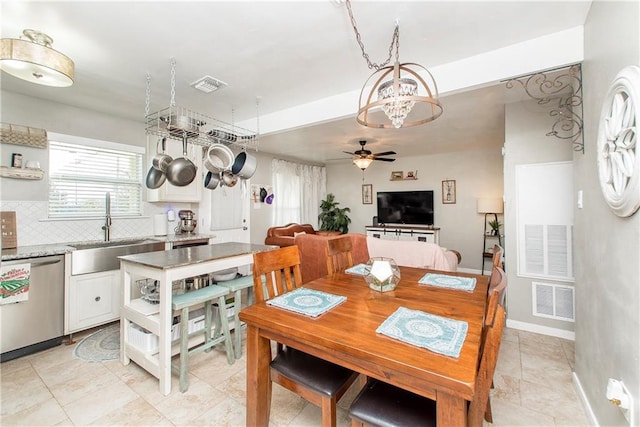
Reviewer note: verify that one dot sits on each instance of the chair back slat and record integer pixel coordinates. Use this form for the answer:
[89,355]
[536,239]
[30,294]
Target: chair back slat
[486,369]
[498,256]
[496,295]
[281,271]
[339,256]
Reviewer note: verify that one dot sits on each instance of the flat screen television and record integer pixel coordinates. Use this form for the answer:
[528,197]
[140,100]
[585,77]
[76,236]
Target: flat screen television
[405,207]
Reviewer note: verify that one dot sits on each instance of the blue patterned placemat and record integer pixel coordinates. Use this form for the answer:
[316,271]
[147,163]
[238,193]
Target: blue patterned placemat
[435,333]
[446,281]
[360,269]
[307,301]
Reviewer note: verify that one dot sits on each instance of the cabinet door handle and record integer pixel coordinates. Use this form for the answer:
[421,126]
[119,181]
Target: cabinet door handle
[43,263]
[97,299]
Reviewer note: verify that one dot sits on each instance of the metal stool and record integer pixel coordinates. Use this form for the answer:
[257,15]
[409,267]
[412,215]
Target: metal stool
[236,286]
[206,296]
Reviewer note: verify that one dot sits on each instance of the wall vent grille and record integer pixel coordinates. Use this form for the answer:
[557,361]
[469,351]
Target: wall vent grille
[553,301]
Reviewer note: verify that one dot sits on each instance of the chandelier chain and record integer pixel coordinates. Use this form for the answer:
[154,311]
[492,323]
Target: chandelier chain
[395,40]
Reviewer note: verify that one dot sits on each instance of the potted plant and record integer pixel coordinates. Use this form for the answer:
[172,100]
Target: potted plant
[495,227]
[333,218]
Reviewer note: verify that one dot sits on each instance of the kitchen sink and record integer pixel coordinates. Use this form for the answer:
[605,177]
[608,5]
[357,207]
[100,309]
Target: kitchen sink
[93,257]
[93,245]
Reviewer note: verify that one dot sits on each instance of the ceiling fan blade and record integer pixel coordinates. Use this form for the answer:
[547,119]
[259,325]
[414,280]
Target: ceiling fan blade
[386,153]
[384,160]
[351,154]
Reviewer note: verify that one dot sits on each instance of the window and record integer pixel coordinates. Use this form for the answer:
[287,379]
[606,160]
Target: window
[298,190]
[83,170]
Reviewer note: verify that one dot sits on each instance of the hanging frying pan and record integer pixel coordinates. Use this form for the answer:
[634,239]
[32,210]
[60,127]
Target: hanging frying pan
[181,171]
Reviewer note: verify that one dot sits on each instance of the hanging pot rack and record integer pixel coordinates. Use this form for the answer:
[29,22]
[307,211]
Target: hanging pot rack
[174,122]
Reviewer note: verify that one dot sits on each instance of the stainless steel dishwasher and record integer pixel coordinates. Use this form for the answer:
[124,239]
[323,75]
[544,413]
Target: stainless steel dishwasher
[38,323]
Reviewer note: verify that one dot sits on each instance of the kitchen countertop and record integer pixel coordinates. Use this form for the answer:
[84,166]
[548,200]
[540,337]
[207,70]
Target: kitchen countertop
[33,251]
[194,255]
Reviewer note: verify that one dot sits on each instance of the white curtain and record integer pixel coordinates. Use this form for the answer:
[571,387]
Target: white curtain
[298,190]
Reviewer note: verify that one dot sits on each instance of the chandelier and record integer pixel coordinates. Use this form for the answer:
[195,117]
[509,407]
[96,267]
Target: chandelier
[398,93]
[35,61]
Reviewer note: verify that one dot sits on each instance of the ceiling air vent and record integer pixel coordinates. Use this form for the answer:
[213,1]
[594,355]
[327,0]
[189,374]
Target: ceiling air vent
[208,84]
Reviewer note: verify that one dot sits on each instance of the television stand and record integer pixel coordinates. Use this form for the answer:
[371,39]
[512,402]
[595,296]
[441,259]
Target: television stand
[415,233]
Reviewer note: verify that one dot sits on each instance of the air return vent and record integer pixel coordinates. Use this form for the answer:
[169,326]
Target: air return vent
[553,301]
[208,84]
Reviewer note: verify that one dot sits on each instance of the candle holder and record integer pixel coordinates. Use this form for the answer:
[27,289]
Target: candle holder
[382,274]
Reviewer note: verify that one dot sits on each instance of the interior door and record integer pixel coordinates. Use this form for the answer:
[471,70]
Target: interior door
[230,213]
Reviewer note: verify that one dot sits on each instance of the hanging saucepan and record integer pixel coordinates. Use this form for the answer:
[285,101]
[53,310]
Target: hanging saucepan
[218,158]
[161,160]
[228,178]
[181,171]
[244,166]
[211,180]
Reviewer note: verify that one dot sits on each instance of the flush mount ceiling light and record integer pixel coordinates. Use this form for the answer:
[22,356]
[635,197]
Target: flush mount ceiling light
[398,93]
[35,61]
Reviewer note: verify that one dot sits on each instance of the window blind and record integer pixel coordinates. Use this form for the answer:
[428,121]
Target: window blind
[81,175]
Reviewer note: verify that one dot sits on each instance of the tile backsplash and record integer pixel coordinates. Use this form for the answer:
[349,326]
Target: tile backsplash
[34,228]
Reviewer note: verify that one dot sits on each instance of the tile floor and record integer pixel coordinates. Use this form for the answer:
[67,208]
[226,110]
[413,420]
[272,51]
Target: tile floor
[533,387]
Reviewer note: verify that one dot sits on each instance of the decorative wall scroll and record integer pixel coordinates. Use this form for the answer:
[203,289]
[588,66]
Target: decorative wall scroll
[617,155]
[562,87]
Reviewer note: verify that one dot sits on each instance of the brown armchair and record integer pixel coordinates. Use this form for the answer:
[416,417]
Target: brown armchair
[283,235]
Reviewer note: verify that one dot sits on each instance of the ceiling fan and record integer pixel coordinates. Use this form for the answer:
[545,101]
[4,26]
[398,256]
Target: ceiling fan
[363,158]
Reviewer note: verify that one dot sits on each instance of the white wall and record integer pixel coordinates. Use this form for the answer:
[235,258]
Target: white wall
[477,174]
[526,126]
[28,198]
[607,247]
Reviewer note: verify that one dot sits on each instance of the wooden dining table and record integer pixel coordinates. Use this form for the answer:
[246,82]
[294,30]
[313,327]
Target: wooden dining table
[346,335]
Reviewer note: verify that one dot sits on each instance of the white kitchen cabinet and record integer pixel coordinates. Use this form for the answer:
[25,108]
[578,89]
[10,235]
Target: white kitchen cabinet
[93,299]
[167,191]
[409,233]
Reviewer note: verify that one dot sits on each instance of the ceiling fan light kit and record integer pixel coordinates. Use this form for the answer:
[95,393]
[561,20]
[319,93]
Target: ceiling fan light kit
[362,162]
[395,90]
[362,158]
[35,61]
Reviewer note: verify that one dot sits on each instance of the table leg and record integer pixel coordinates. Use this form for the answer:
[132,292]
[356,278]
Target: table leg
[450,410]
[237,329]
[258,378]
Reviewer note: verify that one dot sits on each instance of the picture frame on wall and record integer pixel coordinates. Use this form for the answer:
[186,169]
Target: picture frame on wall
[449,192]
[397,176]
[367,194]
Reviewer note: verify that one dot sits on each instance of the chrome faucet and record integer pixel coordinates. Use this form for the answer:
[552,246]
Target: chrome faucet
[107,220]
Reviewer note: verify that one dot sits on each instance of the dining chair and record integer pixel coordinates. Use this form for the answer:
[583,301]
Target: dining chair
[338,252]
[319,382]
[495,297]
[381,404]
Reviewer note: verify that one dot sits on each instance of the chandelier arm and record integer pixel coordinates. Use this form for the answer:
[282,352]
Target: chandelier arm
[395,40]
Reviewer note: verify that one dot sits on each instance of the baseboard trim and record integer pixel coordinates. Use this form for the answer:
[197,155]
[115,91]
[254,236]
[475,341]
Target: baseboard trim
[468,270]
[539,329]
[585,402]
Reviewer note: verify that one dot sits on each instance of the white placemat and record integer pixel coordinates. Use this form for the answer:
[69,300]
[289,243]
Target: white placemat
[307,301]
[438,334]
[360,270]
[447,281]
